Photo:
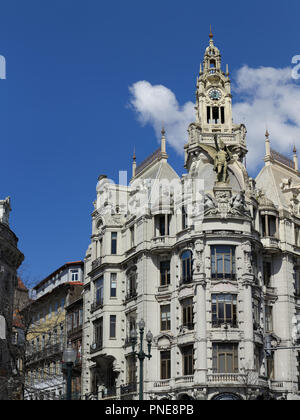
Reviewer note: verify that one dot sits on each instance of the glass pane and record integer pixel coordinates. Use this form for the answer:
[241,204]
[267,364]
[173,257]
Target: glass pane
[222,363]
[219,264]
[230,363]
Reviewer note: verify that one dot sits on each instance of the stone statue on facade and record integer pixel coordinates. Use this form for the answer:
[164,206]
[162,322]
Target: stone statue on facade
[221,157]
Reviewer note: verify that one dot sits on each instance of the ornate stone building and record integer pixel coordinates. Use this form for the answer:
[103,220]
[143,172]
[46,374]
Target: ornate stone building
[10,260]
[208,260]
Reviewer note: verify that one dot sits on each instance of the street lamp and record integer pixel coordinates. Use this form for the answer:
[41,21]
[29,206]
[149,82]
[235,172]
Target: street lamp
[69,357]
[141,354]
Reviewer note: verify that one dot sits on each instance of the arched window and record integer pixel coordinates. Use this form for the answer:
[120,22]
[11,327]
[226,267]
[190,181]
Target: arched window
[186,267]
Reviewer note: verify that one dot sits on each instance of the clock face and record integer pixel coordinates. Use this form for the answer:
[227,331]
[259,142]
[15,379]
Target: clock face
[215,94]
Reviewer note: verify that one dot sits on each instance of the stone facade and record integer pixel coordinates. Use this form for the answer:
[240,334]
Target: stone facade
[46,332]
[208,260]
[10,260]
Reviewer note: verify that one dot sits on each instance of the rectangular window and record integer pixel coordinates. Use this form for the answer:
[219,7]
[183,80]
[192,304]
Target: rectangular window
[165,318]
[184,218]
[132,239]
[256,312]
[187,313]
[224,310]
[188,360]
[80,317]
[74,275]
[222,115]
[208,114]
[131,324]
[297,283]
[113,285]
[186,267]
[165,364]
[131,285]
[131,369]
[215,115]
[99,291]
[268,318]
[223,262]
[162,224]
[164,273]
[112,326]
[114,236]
[270,367]
[267,273]
[98,332]
[225,358]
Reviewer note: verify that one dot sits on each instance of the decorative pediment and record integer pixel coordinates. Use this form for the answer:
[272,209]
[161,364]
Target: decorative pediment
[164,341]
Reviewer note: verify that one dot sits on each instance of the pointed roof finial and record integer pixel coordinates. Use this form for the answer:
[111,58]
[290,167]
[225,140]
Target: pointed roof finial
[210,33]
[134,156]
[163,132]
[267,134]
[294,150]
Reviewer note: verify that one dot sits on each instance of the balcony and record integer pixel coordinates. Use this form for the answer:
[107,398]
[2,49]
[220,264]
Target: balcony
[162,243]
[128,388]
[97,305]
[109,393]
[186,280]
[164,383]
[226,378]
[96,263]
[219,323]
[96,347]
[270,243]
[186,380]
[189,326]
[131,294]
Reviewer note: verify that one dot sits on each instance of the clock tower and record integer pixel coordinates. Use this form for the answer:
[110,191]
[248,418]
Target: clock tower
[214,108]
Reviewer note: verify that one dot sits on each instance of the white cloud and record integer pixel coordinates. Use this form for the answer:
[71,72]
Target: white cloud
[268,98]
[263,98]
[158,106]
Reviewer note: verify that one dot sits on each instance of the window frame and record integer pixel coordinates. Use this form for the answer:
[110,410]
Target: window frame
[215,260]
[218,350]
[165,318]
[165,364]
[219,305]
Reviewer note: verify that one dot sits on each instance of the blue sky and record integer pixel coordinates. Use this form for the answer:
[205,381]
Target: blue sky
[64,106]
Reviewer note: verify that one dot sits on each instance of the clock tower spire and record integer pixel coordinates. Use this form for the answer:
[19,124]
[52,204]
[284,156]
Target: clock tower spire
[214,108]
[213,96]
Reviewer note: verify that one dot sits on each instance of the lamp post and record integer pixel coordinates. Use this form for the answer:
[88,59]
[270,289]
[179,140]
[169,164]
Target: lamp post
[69,357]
[141,354]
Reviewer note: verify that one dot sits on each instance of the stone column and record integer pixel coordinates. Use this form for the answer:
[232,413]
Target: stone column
[200,330]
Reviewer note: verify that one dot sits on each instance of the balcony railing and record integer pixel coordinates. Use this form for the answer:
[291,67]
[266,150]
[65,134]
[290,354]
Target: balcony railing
[96,263]
[109,392]
[218,323]
[184,379]
[223,276]
[187,326]
[96,347]
[128,388]
[226,378]
[96,305]
[186,280]
[162,384]
[131,294]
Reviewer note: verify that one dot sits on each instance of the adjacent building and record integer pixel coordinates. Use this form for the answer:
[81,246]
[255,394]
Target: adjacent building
[209,260]
[10,260]
[46,335]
